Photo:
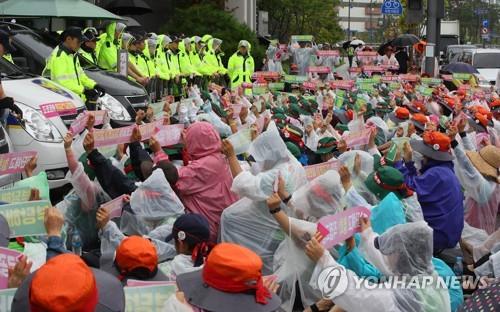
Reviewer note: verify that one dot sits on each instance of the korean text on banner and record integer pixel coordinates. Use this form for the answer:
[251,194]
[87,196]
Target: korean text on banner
[315,171]
[14,162]
[114,207]
[25,219]
[8,258]
[50,110]
[168,135]
[358,138]
[147,298]
[15,194]
[340,226]
[328,53]
[80,123]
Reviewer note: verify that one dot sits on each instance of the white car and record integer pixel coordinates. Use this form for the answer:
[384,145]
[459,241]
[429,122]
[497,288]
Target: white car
[36,132]
[487,62]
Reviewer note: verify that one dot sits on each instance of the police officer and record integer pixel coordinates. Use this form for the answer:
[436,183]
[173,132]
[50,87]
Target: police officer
[88,48]
[63,67]
[241,65]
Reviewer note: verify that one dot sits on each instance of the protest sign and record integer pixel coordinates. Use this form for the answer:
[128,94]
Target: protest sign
[318,69]
[339,100]
[14,162]
[358,138]
[276,86]
[149,129]
[265,75]
[342,84]
[8,258]
[371,69]
[354,70]
[364,54]
[147,298]
[314,171]
[431,81]
[15,194]
[259,89]
[114,207]
[388,79]
[368,87]
[168,135]
[50,110]
[394,86]
[80,123]
[310,85]
[409,77]
[328,53]
[461,76]
[360,81]
[241,140]
[302,38]
[339,227]
[6,297]
[295,79]
[139,283]
[400,142]
[25,218]
[105,137]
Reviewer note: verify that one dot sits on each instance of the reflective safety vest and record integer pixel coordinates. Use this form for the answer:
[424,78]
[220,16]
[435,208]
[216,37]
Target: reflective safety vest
[8,57]
[140,61]
[63,67]
[240,68]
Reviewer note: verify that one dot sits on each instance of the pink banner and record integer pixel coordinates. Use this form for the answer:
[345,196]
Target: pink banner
[310,85]
[355,70]
[327,53]
[236,110]
[319,69]
[79,124]
[390,78]
[339,227]
[138,283]
[366,54]
[265,75]
[369,68]
[342,84]
[8,258]
[50,110]
[315,171]
[150,129]
[169,134]
[106,137]
[14,162]
[358,138]
[408,77]
[115,207]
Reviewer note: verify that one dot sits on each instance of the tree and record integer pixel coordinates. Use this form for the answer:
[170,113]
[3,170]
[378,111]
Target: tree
[303,17]
[206,18]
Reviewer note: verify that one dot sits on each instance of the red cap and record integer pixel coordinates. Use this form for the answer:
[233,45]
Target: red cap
[482,119]
[481,110]
[495,103]
[402,113]
[136,252]
[437,140]
[349,114]
[235,269]
[64,283]
[421,118]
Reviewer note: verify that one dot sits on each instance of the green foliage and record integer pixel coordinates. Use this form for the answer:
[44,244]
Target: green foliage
[206,18]
[303,17]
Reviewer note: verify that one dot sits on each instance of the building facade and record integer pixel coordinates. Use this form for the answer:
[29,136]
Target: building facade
[361,16]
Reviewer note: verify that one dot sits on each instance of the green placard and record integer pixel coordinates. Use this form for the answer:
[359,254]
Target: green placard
[360,81]
[276,86]
[25,218]
[368,87]
[339,100]
[360,102]
[6,296]
[302,38]
[15,194]
[431,81]
[461,76]
[295,79]
[425,91]
[394,86]
[259,90]
[377,79]
[147,298]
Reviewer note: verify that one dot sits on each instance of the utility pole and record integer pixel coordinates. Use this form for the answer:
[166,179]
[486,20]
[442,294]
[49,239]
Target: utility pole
[371,21]
[433,31]
[349,21]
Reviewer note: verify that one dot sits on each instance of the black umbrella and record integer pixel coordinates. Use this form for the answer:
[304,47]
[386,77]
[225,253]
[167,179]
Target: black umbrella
[459,67]
[405,40]
[383,47]
[129,7]
[346,44]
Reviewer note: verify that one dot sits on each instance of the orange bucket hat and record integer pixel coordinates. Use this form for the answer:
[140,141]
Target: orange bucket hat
[136,253]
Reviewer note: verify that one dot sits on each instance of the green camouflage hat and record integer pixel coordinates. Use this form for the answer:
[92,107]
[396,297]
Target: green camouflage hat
[326,145]
[294,149]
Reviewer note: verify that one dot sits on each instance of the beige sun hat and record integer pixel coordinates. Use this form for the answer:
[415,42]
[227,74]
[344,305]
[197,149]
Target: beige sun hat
[487,161]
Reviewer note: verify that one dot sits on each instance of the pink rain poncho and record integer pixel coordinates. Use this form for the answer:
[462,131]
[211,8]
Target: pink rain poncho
[204,185]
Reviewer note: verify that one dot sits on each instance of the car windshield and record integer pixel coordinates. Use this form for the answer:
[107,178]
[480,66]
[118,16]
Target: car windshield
[8,69]
[486,60]
[35,43]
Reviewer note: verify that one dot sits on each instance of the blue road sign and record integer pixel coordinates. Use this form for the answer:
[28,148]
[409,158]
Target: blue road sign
[486,23]
[392,7]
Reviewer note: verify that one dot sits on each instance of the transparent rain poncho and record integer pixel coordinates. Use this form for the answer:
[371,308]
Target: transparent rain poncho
[248,222]
[293,267]
[405,251]
[320,197]
[358,181]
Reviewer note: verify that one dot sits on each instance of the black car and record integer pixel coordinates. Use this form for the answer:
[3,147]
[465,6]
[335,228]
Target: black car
[34,47]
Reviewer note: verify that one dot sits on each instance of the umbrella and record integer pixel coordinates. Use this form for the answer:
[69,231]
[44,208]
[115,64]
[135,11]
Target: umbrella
[357,42]
[130,22]
[460,67]
[405,40]
[54,8]
[345,44]
[129,7]
[383,47]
